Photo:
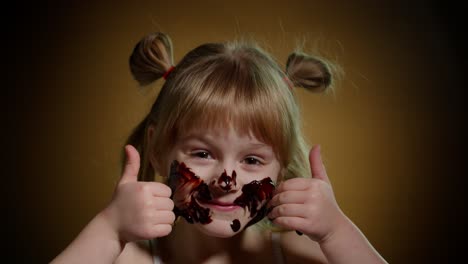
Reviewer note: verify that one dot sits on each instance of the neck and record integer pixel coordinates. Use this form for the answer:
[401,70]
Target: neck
[186,241]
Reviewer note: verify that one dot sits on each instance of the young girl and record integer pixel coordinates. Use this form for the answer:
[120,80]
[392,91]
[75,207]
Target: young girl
[225,175]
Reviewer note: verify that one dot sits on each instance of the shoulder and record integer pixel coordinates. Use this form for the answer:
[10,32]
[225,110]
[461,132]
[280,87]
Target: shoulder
[301,249]
[136,252]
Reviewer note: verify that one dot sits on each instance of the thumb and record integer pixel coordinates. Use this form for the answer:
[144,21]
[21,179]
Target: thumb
[316,165]
[132,165]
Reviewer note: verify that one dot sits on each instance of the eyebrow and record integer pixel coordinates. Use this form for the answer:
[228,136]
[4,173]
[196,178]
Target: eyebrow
[193,136]
[205,139]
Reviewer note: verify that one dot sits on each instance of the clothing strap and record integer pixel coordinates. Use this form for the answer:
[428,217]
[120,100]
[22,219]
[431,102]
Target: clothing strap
[276,245]
[275,241]
[152,246]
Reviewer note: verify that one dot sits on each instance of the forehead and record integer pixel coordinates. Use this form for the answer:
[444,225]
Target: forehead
[220,121]
[220,133]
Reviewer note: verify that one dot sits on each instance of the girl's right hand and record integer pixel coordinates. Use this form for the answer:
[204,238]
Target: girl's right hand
[139,210]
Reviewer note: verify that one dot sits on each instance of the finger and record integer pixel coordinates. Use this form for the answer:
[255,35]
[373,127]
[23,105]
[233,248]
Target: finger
[316,164]
[132,165]
[294,184]
[159,189]
[164,217]
[289,197]
[161,230]
[165,204]
[288,210]
[291,223]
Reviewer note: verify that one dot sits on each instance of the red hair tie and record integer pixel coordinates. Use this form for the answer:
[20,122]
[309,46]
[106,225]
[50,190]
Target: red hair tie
[290,84]
[168,72]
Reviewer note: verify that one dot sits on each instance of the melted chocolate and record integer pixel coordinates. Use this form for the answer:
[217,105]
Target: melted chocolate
[235,225]
[186,189]
[225,181]
[253,195]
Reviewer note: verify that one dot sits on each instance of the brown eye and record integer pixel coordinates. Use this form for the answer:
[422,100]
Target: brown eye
[201,154]
[252,161]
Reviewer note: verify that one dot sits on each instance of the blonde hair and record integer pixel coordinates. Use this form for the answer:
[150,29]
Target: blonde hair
[218,84]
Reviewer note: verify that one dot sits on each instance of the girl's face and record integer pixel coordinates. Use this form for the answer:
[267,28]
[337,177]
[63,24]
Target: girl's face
[222,180]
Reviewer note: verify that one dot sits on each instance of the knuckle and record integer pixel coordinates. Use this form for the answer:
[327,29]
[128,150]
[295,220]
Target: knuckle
[314,195]
[149,214]
[272,214]
[282,198]
[164,204]
[284,221]
[148,203]
[309,211]
[281,210]
[172,217]
[171,204]
[145,188]
[314,184]
[162,230]
[167,189]
[316,189]
[162,190]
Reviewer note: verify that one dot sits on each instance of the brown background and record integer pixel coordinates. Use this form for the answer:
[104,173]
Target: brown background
[388,133]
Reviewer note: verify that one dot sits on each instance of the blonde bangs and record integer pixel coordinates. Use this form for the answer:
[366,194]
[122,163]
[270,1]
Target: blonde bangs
[232,93]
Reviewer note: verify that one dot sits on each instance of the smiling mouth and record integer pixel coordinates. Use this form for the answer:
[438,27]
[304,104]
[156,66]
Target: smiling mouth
[221,206]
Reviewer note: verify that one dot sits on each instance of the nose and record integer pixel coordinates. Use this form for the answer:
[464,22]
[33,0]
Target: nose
[225,183]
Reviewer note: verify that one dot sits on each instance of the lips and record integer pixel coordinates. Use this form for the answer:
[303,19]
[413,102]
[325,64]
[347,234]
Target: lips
[215,202]
[221,206]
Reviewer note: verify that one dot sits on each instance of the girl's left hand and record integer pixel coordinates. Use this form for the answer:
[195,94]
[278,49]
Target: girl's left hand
[308,205]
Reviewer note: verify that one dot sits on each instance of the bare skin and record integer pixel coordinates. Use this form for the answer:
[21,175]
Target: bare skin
[141,211]
[251,246]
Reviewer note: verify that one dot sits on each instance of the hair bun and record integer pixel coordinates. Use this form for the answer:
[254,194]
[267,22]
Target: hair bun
[308,72]
[151,58]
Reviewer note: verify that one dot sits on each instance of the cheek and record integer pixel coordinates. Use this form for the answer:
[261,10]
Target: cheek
[167,161]
[186,188]
[255,197]
[201,171]
[204,169]
[274,173]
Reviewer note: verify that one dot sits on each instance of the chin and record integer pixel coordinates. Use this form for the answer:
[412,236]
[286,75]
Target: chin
[218,228]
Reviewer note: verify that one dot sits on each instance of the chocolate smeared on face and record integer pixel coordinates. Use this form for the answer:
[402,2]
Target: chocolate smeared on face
[254,195]
[226,182]
[235,225]
[186,189]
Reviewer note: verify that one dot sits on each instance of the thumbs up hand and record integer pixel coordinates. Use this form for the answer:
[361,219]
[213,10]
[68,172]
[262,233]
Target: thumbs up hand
[308,205]
[139,210]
